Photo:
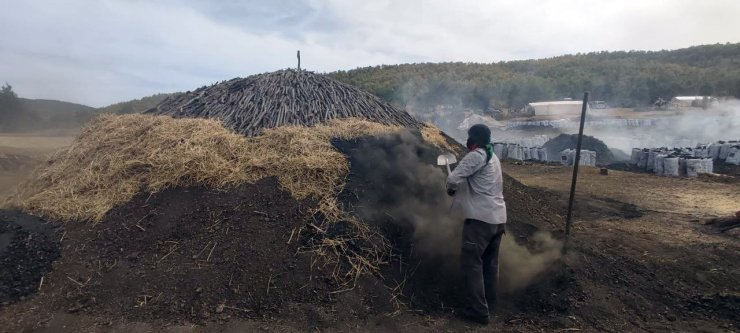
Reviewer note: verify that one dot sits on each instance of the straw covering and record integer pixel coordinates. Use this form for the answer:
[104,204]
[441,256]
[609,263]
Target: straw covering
[115,157]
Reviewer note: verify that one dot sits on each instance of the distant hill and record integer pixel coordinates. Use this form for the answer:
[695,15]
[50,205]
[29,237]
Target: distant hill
[622,79]
[136,105]
[49,106]
[58,114]
[22,114]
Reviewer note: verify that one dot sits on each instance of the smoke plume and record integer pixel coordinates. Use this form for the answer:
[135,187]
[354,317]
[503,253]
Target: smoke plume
[404,187]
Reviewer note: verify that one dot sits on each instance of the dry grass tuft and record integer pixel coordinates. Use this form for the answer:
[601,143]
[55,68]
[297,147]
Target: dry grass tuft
[433,135]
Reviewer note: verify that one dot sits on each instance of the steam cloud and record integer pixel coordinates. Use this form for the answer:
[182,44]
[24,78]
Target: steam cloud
[691,126]
[405,187]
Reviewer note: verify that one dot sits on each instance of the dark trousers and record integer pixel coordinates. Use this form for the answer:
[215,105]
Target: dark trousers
[479,259]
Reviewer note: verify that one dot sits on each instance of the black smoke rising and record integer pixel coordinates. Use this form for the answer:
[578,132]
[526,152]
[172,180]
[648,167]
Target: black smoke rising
[394,179]
[394,184]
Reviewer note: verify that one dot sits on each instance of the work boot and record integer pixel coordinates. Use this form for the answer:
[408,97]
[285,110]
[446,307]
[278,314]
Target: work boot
[474,317]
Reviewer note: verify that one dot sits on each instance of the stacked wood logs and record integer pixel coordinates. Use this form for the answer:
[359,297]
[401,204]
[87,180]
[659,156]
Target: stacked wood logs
[286,97]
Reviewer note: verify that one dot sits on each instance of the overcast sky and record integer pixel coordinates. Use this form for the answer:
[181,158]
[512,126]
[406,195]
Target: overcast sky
[99,52]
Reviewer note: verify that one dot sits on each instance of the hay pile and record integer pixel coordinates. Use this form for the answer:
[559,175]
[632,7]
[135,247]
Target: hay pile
[117,157]
[287,97]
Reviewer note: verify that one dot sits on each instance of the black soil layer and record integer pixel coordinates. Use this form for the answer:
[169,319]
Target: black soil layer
[195,255]
[569,141]
[27,249]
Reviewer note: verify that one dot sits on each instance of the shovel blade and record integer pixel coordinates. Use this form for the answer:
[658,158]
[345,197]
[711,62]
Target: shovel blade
[446,159]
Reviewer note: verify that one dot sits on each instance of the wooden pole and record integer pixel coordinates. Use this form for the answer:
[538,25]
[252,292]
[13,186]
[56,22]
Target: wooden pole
[575,171]
[298,54]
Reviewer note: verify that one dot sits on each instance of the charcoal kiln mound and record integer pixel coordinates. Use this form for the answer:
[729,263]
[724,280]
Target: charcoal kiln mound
[569,141]
[249,213]
[182,220]
[287,97]
[28,246]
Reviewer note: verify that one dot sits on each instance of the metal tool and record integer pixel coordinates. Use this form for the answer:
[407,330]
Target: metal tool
[446,160]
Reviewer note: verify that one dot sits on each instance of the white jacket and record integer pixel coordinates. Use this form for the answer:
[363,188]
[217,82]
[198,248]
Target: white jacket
[484,199]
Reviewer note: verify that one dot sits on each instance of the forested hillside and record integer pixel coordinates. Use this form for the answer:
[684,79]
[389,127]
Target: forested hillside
[136,105]
[625,79]
[21,114]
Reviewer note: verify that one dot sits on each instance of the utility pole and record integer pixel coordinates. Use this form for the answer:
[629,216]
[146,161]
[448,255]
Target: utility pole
[575,171]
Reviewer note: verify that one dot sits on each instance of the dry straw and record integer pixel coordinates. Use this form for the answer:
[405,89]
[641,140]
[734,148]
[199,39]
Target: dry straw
[433,135]
[116,157]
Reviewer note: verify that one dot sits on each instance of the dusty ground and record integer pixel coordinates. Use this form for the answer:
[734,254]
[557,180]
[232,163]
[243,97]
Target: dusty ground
[640,259]
[21,152]
[641,241]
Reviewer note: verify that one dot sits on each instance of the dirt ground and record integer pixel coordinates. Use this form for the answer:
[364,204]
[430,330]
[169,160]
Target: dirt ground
[640,249]
[20,153]
[640,258]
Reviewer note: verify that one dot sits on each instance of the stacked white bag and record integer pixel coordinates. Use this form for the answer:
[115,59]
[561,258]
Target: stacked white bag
[686,161]
[568,157]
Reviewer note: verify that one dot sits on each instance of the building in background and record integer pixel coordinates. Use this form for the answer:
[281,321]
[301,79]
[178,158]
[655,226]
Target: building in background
[556,108]
[691,101]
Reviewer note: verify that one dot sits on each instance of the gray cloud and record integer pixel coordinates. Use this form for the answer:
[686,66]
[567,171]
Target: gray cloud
[99,52]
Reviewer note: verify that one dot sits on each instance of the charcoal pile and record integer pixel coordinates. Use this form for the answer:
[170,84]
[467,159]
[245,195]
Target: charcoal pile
[286,97]
[562,142]
[28,246]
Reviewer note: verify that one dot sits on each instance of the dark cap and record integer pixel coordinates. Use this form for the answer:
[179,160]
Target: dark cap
[479,134]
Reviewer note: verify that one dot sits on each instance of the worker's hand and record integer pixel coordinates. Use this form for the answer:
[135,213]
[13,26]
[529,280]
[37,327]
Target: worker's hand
[451,189]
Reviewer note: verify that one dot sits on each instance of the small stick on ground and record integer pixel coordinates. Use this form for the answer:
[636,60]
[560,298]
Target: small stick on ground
[291,235]
[41,283]
[235,308]
[317,228]
[201,251]
[75,281]
[210,253]
[168,254]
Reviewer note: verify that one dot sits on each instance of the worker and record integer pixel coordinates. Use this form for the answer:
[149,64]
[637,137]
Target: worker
[485,218]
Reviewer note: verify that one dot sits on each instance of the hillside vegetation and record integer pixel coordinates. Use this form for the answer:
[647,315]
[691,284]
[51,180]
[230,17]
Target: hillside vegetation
[625,79]
[137,105]
[21,114]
